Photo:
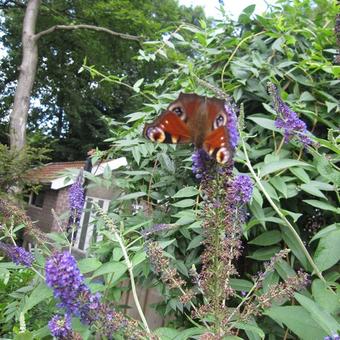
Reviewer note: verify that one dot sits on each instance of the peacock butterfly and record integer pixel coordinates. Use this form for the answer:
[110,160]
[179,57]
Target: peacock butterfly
[194,119]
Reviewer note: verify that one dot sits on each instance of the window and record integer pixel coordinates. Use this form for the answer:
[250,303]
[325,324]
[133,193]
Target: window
[87,232]
[37,199]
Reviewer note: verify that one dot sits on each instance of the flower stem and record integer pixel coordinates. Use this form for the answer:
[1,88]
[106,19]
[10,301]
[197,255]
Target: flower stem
[128,263]
[279,212]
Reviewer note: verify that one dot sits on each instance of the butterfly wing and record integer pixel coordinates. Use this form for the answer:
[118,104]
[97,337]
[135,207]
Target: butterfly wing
[216,142]
[175,125]
[168,128]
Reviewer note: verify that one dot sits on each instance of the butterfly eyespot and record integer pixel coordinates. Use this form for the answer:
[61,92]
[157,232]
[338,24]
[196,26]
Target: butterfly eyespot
[179,112]
[155,134]
[220,120]
[222,155]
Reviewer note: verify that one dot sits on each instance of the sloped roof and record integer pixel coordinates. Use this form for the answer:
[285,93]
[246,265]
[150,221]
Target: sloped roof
[51,173]
[48,172]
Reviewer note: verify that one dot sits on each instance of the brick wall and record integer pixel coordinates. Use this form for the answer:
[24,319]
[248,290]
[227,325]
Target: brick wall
[43,215]
[61,209]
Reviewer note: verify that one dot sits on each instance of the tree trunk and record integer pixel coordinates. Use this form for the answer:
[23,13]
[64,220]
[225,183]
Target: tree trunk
[18,116]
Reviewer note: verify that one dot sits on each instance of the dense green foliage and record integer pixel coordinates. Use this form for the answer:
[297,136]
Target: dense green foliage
[69,107]
[293,46]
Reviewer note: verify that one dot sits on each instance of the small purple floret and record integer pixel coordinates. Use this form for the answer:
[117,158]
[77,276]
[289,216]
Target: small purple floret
[63,275]
[241,189]
[77,197]
[232,125]
[17,254]
[60,326]
[199,163]
[288,120]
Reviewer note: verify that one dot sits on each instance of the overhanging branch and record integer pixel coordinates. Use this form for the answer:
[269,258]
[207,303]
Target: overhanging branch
[90,27]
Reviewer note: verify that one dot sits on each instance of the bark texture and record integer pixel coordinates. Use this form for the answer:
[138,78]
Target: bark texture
[28,67]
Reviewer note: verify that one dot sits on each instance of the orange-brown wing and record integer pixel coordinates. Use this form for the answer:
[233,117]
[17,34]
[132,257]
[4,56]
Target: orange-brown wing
[216,142]
[168,128]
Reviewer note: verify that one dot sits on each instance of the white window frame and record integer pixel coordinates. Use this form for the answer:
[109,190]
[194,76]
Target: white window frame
[90,225]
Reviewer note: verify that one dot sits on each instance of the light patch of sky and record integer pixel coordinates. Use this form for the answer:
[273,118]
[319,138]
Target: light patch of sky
[232,7]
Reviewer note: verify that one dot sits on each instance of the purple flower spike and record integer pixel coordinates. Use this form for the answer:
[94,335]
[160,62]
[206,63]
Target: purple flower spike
[199,163]
[76,197]
[17,254]
[241,189]
[232,125]
[60,326]
[63,275]
[288,120]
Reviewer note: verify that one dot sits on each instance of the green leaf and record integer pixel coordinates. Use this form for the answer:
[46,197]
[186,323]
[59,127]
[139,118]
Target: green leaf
[325,298]
[264,122]
[327,253]
[249,327]
[298,320]
[284,269]
[311,189]
[195,242]
[184,203]
[306,97]
[131,196]
[280,185]
[41,332]
[88,265]
[118,268]
[138,258]
[322,205]
[241,285]
[269,168]
[318,314]
[166,333]
[137,84]
[325,231]
[39,294]
[267,238]
[24,336]
[264,254]
[186,192]
[300,173]
[189,332]
[295,246]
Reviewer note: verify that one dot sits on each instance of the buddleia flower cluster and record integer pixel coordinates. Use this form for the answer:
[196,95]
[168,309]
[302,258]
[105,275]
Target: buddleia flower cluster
[288,120]
[76,198]
[18,255]
[75,297]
